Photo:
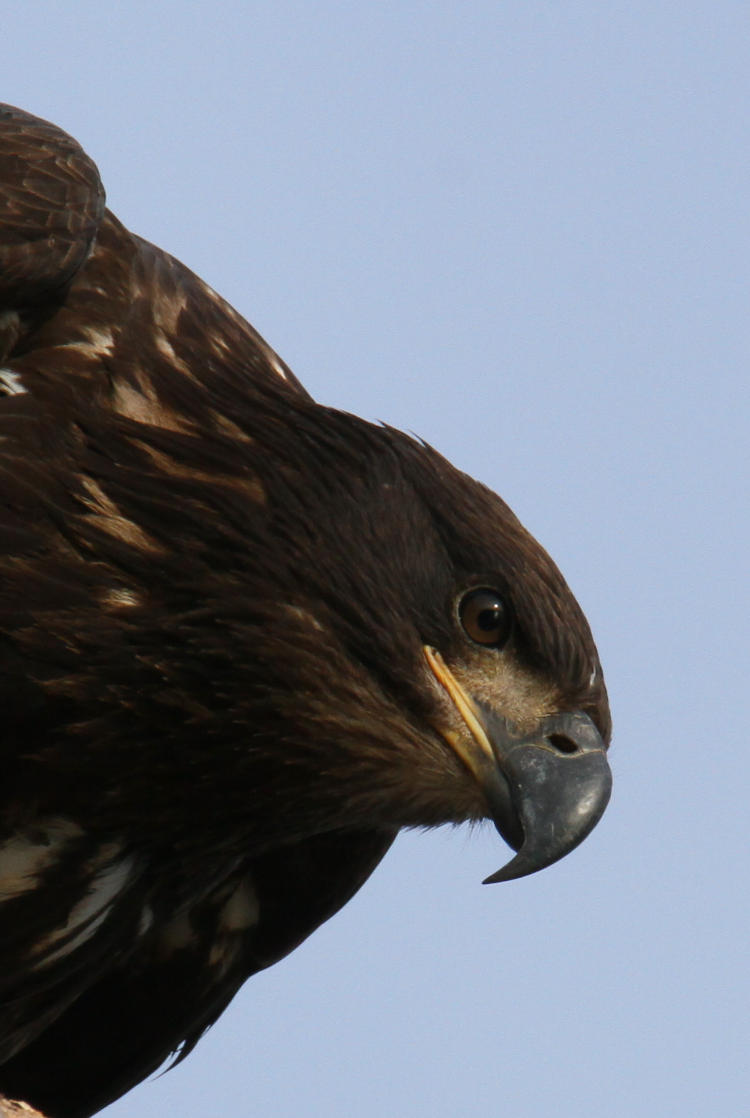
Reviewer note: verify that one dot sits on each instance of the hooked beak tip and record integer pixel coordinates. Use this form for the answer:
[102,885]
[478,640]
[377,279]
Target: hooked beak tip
[546,790]
[560,784]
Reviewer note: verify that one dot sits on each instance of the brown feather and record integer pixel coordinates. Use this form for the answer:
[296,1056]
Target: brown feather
[214,597]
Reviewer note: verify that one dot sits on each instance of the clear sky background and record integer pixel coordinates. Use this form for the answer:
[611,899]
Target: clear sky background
[520,230]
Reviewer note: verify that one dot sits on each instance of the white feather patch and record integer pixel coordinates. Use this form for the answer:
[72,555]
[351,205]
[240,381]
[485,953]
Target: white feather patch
[11,383]
[146,920]
[87,916]
[101,339]
[120,597]
[240,912]
[25,857]
[276,365]
[107,516]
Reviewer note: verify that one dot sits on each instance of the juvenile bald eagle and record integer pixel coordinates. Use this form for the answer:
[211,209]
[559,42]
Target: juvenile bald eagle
[244,639]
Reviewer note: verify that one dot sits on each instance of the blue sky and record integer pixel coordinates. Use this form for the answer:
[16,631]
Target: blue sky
[521,231]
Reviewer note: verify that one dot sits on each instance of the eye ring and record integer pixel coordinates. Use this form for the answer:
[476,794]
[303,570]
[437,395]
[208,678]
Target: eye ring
[485,617]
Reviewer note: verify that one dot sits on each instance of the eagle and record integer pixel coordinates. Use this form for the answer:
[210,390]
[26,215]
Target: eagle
[245,638]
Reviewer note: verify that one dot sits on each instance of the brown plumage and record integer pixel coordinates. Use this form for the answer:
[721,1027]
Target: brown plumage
[244,639]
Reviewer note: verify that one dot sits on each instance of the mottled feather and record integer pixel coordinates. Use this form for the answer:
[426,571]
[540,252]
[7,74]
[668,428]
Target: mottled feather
[214,598]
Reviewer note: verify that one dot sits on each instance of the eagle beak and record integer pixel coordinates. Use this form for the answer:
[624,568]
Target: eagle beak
[546,790]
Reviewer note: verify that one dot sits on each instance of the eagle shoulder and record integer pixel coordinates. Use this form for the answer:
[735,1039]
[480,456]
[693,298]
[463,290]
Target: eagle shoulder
[53,203]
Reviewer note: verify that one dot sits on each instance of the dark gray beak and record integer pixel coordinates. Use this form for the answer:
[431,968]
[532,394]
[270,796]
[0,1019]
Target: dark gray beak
[551,789]
[545,790]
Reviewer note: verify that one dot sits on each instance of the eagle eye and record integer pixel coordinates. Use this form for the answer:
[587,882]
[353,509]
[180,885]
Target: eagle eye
[485,617]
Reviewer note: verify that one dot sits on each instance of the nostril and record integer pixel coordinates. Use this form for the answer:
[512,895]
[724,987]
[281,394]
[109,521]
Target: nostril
[562,743]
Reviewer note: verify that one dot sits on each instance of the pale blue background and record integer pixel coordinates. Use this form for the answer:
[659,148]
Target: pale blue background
[519,229]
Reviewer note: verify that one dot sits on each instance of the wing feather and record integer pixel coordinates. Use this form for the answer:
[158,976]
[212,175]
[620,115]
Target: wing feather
[53,202]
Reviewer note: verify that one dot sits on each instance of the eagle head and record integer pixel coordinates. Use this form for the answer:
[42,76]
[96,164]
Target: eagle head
[443,670]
